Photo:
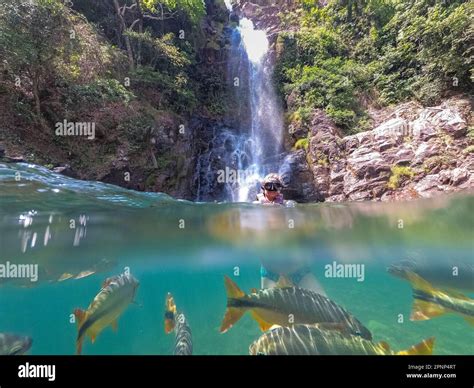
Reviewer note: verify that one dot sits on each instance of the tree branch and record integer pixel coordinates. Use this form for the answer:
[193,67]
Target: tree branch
[126,8]
[163,17]
[133,24]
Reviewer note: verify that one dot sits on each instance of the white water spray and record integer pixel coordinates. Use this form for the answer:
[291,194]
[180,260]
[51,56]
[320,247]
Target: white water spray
[228,4]
[266,121]
[255,41]
[253,147]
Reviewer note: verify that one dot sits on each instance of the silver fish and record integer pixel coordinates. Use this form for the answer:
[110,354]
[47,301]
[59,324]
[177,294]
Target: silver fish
[275,306]
[12,344]
[312,340]
[451,275]
[108,305]
[177,322]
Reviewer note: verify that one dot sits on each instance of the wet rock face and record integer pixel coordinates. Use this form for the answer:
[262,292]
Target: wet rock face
[416,152]
[165,164]
[299,179]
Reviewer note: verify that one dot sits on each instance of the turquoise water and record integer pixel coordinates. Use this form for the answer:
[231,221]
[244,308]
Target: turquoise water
[186,249]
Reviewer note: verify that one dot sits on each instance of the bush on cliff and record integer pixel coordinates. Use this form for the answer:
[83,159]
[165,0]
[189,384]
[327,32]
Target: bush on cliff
[384,51]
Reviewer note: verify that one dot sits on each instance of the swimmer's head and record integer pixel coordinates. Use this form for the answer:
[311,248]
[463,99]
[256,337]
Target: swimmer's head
[271,186]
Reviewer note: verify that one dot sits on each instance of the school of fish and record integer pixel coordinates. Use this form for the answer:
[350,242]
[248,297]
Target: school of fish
[294,321]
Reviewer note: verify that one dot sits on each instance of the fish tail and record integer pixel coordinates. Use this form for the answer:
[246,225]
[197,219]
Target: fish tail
[418,283]
[232,314]
[170,312]
[232,289]
[424,348]
[79,346]
[80,316]
[469,320]
[423,310]
[424,305]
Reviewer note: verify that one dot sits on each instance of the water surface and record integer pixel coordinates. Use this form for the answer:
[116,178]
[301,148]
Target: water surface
[186,248]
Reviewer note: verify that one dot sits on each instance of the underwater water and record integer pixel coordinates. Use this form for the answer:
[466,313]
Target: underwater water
[186,248]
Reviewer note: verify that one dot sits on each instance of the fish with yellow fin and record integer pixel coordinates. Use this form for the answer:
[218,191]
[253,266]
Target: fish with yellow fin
[177,322]
[116,294]
[429,301]
[313,340]
[287,305]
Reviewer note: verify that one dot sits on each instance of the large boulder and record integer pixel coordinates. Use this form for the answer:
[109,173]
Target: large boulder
[415,152]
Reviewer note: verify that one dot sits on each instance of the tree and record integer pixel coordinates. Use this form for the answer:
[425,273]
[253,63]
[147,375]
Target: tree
[132,17]
[31,36]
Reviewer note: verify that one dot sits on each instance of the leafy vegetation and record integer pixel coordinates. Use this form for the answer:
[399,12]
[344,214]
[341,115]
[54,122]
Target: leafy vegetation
[32,38]
[381,51]
[398,174]
[302,144]
[99,91]
[469,149]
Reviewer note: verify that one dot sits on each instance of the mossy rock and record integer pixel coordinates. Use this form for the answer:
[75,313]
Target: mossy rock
[399,173]
[301,144]
[469,149]
[213,45]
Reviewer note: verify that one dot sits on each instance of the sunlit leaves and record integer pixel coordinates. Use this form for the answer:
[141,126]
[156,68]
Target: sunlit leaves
[195,9]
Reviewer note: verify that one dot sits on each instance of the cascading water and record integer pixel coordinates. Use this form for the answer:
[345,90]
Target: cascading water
[246,153]
[228,4]
[266,122]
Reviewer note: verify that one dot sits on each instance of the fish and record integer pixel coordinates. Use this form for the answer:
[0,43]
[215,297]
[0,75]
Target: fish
[177,322]
[304,339]
[448,275]
[285,306]
[13,344]
[112,300]
[59,270]
[430,302]
[101,266]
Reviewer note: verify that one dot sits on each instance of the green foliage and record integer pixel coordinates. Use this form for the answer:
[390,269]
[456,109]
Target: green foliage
[167,68]
[30,33]
[99,91]
[469,149]
[212,91]
[161,51]
[301,116]
[390,50]
[470,132]
[195,9]
[138,130]
[302,144]
[176,91]
[399,172]
[314,70]
[427,49]
[32,41]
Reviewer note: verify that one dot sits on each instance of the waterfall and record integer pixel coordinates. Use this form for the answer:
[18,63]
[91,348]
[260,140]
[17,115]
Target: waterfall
[238,158]
[266,123]
[228,4]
